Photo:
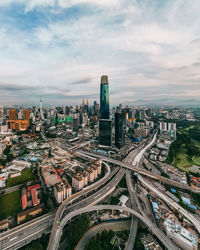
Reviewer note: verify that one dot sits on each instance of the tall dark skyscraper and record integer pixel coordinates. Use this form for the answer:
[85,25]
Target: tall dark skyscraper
[105,132]
[119,129]
[104,98]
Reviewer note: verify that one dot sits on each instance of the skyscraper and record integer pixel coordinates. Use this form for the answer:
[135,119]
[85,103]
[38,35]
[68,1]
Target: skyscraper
[104,98]
[26,114]
[119,129]
[105,132]
[1,111]
[41,111]
[12,114]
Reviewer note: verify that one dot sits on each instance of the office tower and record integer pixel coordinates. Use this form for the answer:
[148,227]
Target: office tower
[1,111]
[41,112]
[26,114]
[12,114]
[119,129]
[104,98]
[105,132]
[75,124]
[142,115]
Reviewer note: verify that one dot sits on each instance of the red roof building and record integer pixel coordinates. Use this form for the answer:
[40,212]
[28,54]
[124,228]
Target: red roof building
[24,199]
[196,181]
[35,199]
[36,186]
[61,170]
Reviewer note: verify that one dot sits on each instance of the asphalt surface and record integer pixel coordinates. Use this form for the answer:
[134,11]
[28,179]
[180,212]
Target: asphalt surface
[91,200]
[142,172]
[134,221]
[161,236]
[30,230]
[114,226]
[18,235]
[171,202]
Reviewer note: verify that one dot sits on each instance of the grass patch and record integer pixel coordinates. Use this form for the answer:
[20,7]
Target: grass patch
[9,204]
[182,160]
[26,175]
[196,160]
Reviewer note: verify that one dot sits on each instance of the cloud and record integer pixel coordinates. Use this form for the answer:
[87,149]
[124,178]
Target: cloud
[58,49]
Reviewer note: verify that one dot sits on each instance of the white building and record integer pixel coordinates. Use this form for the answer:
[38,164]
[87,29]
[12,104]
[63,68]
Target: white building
[181,237]
[62,192]
[2,148]
[78,182]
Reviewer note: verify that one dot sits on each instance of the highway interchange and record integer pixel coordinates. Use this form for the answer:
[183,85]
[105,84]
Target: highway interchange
[21,235]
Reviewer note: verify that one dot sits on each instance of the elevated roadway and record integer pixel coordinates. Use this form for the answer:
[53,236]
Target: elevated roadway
[134,221]
[142,172]
[140,154]
[23,234]
[107,226]
[93,199]
[155,230]
[171,202]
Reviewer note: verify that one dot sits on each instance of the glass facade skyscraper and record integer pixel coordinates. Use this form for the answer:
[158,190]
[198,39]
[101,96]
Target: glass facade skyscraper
[105,132]
[104,98]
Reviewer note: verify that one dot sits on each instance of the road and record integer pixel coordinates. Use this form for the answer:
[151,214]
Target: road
[141,153]
[91,200]
[21,235]
[114,226]
[160,235]
[16,188]
[134,221]
[28,231]
[141,171]
[171,202]
[135,157]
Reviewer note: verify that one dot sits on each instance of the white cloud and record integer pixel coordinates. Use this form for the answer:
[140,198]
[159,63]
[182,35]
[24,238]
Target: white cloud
[135,44]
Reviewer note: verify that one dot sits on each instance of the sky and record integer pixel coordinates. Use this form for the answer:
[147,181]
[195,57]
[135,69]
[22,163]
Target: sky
[57,50]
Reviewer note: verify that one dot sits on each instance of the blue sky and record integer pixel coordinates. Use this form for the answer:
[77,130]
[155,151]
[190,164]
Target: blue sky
[57,50]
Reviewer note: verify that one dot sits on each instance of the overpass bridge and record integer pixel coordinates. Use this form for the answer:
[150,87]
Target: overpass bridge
[154,229]
[142,172]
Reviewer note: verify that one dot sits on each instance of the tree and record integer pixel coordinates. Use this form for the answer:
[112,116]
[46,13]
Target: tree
[76,229]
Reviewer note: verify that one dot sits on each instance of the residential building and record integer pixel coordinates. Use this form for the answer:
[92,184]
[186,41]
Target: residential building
[62,191]
[12,114]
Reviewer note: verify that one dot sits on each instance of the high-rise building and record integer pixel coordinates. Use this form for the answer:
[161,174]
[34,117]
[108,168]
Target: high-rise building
[12,114]
[75,124]
[105,132]
[41,111]
[119,129]
[104,98]
[26,114]
[1,111]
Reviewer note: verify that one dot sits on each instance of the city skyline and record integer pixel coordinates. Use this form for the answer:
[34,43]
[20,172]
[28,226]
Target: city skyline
[57,50]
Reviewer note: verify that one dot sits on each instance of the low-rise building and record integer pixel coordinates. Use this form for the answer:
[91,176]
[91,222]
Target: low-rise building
[2,148]
[150,243]
[24,198]
[15,175]
[4,224]
[21,217]
[195,181]
[142,132]
[35,199]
